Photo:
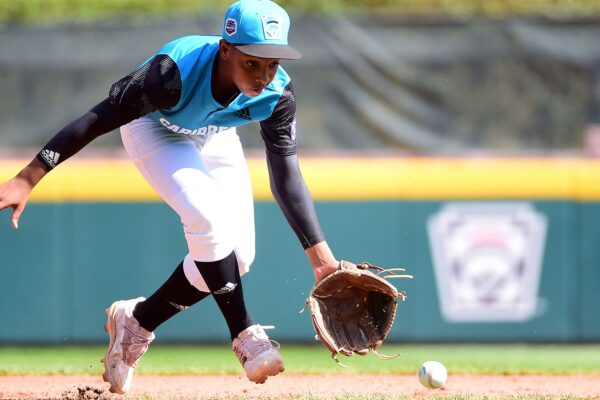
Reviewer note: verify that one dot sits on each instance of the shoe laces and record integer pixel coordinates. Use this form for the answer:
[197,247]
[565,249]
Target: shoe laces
[134,345]
[251,345]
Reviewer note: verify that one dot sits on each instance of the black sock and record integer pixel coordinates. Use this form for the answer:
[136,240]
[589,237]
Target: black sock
[175,295]
[223,279]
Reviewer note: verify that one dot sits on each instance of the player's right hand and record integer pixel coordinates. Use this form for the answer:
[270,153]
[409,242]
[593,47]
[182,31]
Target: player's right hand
[14,194]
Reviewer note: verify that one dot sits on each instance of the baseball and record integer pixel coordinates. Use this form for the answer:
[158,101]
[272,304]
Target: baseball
[433,374]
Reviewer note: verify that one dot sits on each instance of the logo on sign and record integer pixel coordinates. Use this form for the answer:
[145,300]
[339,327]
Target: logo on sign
[487,259]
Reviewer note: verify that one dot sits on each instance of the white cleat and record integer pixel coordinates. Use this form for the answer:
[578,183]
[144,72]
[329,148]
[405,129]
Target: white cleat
[128,343]
[257,354]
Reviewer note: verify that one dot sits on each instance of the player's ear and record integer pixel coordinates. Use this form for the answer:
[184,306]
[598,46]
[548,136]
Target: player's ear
[224,50]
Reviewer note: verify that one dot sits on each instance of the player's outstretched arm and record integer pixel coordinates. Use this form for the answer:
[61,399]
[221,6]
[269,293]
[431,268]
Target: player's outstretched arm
[15,192]
[101,119]
[155,85]
[288,186]
[294,199]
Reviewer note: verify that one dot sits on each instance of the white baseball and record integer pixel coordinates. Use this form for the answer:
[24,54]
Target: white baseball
[433,374]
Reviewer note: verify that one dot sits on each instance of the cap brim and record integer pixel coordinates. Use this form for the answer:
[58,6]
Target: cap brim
[270,51]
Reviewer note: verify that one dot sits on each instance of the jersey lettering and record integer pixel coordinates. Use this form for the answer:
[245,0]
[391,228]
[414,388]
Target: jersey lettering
[210,129]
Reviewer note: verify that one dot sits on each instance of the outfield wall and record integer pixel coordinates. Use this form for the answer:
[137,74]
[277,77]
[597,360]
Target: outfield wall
[501,249]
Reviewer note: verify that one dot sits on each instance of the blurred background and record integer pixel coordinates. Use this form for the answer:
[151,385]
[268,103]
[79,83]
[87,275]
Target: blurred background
[459,138]
[416,76]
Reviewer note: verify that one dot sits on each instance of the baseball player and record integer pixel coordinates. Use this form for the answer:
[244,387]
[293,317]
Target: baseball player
[178,115]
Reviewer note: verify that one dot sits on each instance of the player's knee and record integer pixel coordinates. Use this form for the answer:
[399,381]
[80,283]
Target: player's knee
[208,240]
[244,259]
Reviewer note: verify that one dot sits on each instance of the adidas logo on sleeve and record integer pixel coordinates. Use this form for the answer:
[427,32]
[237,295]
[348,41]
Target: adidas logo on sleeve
[50,157]
[244,113]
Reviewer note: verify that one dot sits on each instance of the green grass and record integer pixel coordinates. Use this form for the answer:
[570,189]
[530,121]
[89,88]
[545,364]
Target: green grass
[169,360]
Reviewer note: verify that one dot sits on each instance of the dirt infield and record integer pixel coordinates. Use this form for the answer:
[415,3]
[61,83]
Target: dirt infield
[289,386]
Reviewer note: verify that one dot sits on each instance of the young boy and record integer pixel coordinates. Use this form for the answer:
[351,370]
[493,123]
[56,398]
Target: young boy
[178,114]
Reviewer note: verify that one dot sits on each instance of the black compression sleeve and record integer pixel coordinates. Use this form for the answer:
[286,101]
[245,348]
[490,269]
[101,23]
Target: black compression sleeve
[279,130]
[293,197]
[155,85]
[99,120]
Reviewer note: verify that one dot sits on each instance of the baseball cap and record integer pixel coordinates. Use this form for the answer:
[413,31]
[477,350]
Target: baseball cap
[259,28]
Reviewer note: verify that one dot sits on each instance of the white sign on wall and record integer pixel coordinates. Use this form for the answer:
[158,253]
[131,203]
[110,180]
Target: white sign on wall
[487,259]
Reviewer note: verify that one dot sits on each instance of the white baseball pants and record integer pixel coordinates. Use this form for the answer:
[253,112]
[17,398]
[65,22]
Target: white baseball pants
[205,180]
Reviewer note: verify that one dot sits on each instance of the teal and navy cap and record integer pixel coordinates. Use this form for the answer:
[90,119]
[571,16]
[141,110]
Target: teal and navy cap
[259,28]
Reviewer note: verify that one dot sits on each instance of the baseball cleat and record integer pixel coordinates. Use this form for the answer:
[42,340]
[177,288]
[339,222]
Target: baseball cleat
[257,354]
[128,343]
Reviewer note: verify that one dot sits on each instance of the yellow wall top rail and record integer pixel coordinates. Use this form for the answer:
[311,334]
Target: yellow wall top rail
[349,178]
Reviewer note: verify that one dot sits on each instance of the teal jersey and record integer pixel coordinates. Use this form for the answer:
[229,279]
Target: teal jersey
[197,112]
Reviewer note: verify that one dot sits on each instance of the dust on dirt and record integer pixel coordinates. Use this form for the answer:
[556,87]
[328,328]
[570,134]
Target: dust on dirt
[85,393]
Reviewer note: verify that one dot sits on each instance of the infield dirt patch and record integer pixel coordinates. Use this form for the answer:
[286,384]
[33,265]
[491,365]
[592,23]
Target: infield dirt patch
[289,386]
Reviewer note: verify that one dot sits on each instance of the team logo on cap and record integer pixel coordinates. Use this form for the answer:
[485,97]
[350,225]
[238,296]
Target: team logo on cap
[230,26]
[271,28]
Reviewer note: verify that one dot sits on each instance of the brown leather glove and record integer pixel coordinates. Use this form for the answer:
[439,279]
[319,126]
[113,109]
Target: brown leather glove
[353,309]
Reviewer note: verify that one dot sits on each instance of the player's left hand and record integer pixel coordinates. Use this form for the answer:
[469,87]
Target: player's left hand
[322,272]
[353,309]
[322,260]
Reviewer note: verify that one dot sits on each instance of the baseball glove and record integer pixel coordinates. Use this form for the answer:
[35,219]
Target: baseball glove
[353,309]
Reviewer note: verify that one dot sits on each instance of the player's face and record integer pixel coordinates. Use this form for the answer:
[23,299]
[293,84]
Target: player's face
[251,74]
